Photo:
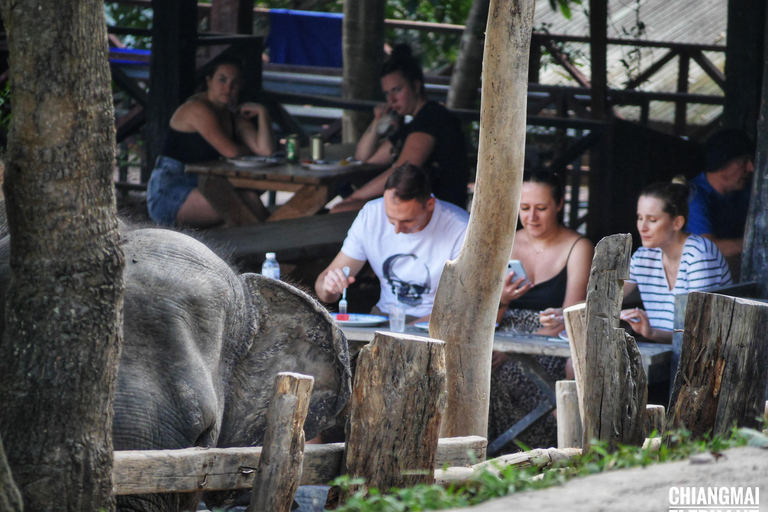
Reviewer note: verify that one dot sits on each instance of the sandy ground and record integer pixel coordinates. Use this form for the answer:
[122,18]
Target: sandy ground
[646,489]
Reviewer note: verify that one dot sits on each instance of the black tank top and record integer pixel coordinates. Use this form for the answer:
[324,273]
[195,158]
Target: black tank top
[549,294]
[187,147]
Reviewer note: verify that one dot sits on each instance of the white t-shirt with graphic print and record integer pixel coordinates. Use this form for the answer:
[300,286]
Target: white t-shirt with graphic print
[410,262]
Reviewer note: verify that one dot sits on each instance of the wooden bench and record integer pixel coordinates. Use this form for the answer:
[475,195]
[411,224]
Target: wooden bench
[303,238]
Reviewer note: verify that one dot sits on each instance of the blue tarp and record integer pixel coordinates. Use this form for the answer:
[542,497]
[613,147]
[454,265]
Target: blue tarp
[305,38]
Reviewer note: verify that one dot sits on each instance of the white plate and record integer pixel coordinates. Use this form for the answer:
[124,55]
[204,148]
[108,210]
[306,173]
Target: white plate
[328,165]
[255,161]
[563,335]
[360,320]
[424,326]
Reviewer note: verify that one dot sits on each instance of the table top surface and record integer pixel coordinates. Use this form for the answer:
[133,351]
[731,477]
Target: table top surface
[652,353]
[291,172]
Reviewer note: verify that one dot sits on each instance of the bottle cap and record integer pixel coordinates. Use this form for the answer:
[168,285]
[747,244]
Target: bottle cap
[270,255]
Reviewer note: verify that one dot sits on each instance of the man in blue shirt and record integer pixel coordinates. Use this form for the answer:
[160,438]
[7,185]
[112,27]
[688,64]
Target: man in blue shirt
[720,199]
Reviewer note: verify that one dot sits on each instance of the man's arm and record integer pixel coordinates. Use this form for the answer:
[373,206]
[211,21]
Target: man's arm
[728,246]
[332,281]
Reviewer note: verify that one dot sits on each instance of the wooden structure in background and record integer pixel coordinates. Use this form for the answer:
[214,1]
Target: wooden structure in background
[396,408]
[615,388]
[570,431]
[722,375]
[468,294]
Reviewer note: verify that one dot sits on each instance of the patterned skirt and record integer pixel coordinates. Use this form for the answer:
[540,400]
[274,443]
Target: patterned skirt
[513,395]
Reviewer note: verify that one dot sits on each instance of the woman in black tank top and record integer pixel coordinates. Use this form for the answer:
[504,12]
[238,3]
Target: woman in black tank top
[557,262]
[208,125]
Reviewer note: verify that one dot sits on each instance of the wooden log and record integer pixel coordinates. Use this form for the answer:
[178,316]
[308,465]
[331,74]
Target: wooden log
[615,384]
[575,318]
[218,469]
[569,428]
[397,404]
[723,370]
[470,288]
[282,454]
[655,419]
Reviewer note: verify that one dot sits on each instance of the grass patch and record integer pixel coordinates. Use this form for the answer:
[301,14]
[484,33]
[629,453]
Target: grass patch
[486,484]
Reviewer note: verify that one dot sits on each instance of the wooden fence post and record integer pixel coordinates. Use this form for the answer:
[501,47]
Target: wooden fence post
[575,318]
[615,388]
[397,406]
[569,429]
[280,465]
[721,376]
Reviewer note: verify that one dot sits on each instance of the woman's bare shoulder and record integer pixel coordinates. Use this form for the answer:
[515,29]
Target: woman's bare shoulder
[190,113]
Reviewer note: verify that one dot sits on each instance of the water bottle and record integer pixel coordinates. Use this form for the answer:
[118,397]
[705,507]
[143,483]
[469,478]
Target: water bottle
[270,267]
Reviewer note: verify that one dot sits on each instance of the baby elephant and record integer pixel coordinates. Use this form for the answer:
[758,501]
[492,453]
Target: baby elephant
[202,346]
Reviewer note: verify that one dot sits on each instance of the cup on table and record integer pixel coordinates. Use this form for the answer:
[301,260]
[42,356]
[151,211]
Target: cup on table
[397,318]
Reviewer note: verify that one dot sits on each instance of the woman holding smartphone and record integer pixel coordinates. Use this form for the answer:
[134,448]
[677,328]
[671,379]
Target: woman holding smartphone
[556,261]
[670,262]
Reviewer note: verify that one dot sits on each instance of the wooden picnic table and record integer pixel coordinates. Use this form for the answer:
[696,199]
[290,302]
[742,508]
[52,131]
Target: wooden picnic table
[521,348]
[219,180]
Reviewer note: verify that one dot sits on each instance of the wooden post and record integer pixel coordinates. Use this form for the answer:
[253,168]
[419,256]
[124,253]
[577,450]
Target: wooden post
[575,318]
[615,385]
[470,288]
[282,454]
[569,429]
[721,377]
[396,408]
[655,419]
[466,75]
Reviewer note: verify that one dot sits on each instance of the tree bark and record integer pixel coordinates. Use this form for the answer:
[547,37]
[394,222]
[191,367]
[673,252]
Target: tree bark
[754,259]
[281,459]
[722,374]
[470,287]
[467,73]
[397,405]
[10,497]
[363,49]
[615,387]
[58,356]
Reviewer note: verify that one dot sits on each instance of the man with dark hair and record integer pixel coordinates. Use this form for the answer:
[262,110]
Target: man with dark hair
[720,195]
[407,236]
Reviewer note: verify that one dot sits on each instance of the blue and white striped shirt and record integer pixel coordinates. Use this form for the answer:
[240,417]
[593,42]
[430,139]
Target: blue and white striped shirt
[701,266]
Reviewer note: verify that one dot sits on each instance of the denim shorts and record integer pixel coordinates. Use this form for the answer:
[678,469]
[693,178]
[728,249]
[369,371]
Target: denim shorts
[168,188]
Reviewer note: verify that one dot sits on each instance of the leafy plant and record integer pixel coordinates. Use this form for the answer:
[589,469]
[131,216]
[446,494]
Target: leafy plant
[486,484]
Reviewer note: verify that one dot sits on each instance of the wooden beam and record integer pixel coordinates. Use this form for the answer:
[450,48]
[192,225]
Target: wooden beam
[598,46]
[651,70]
[217,469]
[681,106]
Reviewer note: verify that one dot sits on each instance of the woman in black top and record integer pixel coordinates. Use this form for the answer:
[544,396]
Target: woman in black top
[205,127]
[431,139]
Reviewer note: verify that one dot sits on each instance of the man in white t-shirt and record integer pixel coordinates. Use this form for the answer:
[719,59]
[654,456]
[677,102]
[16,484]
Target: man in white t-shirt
[407,236]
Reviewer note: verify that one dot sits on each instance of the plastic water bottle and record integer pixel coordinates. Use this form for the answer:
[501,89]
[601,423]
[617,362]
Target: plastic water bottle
[270,267]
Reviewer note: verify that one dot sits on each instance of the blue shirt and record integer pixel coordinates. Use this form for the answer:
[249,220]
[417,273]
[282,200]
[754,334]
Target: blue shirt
[710,212]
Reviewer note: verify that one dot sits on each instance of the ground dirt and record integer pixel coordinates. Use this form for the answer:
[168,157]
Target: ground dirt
[646,489]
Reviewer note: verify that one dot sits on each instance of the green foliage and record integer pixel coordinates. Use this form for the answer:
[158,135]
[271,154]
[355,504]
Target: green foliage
[486,484]
[564,6]
[128,16]
[5,106]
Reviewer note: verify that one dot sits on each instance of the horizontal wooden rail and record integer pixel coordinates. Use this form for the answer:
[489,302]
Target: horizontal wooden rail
[216,469]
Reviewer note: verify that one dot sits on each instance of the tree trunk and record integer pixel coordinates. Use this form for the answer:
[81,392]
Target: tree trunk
[467,73]
[10,497]
[58,356]
[363,47]
[470,287]
[754,260]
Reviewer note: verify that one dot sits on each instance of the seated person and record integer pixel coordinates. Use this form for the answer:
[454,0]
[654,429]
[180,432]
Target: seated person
[407,236]
[670,262]
[432,140]
[207,126]
[720,200]
[557,261]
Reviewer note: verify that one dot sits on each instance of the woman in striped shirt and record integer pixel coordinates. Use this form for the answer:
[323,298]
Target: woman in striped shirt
[670,262]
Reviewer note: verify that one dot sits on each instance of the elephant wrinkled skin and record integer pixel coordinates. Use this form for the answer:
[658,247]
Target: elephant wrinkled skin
[202,346]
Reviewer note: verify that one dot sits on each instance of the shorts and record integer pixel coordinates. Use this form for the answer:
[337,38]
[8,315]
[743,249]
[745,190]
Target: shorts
[168,188]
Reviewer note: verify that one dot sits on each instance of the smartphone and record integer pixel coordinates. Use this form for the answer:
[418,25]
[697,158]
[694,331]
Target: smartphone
[517,267]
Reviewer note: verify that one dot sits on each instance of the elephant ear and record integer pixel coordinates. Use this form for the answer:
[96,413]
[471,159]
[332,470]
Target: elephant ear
[291,332]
